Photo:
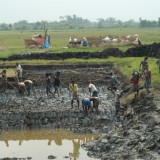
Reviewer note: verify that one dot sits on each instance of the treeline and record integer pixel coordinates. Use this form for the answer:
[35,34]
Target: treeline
[74,22]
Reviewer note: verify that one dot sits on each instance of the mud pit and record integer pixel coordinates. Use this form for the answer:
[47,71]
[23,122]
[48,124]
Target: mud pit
[39,111]
[135,137]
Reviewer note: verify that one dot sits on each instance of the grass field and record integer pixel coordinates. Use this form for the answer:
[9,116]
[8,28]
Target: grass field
[12,42]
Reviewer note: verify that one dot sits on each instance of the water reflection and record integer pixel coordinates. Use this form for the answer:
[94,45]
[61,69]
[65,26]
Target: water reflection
[59,143]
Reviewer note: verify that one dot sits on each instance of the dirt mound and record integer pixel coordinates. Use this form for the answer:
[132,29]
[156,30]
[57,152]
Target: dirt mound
[67,55]
[134,137]
[152,50]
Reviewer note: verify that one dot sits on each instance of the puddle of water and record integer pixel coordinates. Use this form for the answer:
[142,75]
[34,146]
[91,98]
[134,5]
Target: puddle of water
[41,144]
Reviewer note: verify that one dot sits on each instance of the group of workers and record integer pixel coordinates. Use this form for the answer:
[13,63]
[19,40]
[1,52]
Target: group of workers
[144,73]
[74,41]
[42,42]
[87,100]
[90,102]
[73,88]
[22,85]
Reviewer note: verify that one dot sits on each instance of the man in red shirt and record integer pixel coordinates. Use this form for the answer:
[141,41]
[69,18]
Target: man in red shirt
[135,80]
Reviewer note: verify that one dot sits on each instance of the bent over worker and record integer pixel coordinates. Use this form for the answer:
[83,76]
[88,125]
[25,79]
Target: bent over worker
[93,90]
[21,88]
[86,105]
[29,85]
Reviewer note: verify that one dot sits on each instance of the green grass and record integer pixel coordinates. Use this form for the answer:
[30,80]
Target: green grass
[12,42]
[127,65]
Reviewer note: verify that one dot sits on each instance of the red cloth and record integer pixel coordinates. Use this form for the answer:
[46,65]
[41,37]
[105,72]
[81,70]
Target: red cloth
[40,42]
[135,82]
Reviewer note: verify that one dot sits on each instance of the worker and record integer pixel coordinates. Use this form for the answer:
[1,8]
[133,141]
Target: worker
[29,85]
[86,105]
[73,88]
[21,88]
[18,72]
[4,80]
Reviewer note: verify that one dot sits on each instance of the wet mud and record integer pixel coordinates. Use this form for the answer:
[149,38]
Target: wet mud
[133,134]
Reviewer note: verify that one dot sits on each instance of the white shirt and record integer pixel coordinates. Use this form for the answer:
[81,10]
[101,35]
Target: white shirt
[75,39]
[19,68]
[92,87]
[21,84]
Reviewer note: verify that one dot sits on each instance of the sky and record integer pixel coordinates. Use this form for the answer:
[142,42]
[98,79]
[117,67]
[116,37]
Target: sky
[12,11]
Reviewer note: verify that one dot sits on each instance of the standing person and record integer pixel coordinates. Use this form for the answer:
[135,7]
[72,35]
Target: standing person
[56,83]
[93,90]
[46,43]
[73,87]
[96,102]
[86,105]
[49,84]
[117,99]
[4,80]
[158,64]
[29,85]
[113,81]
[135,80]
[147,79]
[18,72]
[143,64]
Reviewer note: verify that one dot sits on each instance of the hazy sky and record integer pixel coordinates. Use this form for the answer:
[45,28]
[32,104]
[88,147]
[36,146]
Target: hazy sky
[50,10]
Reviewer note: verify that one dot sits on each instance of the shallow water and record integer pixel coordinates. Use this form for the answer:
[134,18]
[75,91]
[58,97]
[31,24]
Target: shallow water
[41,144]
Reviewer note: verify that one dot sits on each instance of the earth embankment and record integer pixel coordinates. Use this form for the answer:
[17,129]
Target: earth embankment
[151,50]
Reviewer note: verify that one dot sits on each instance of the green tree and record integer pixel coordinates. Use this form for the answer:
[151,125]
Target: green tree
[159,21]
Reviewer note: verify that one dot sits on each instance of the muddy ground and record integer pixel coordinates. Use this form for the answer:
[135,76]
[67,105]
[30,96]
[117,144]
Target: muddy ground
[132,135]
